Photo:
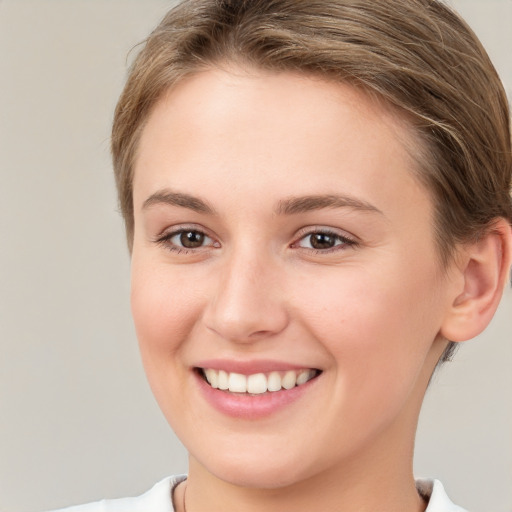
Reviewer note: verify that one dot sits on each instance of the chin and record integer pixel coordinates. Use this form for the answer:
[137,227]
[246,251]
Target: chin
[259,478]
[258,472]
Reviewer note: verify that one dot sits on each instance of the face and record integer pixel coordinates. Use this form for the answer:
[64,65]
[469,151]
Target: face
[283,250]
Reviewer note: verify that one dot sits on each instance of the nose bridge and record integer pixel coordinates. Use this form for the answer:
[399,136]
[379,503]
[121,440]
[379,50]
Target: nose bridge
[247,304]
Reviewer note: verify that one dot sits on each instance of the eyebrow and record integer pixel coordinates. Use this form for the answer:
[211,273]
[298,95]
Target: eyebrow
[295,205]
[178,199]
[289,206]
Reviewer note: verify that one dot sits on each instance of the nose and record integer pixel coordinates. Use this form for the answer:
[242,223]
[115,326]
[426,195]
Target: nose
[248,303]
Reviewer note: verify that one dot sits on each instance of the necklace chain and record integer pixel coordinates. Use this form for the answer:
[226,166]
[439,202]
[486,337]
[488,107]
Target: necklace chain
[184,495]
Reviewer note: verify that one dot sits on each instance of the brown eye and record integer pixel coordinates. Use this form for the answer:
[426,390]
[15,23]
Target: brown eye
[191,239]
[184,241]
[322,241]
[325,241]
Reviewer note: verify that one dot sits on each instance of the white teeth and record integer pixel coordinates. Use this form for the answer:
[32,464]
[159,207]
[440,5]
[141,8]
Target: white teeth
[289,380]
[223,381]
[274,381]
[258,383]
[212,377]
[304,376]
[237,383]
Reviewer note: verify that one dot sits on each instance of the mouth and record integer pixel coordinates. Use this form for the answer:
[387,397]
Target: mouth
[257,383]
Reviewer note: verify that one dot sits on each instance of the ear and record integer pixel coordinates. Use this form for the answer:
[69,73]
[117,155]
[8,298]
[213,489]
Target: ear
[483,270]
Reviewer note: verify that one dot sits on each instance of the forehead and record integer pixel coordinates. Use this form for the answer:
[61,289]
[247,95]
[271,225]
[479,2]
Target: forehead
[270,99]
[266,133]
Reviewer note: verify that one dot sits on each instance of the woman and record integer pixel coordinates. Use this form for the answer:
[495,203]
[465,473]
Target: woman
[317,204]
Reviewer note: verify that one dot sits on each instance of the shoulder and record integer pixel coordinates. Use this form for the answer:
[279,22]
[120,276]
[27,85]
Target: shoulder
[438,500]
[157,499]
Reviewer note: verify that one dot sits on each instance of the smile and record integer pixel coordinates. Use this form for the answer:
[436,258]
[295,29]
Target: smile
[257,383]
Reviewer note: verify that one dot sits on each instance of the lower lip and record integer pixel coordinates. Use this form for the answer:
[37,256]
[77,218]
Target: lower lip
[252,407]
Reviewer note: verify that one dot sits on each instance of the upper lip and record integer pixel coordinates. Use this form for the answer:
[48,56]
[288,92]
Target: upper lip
[250,367]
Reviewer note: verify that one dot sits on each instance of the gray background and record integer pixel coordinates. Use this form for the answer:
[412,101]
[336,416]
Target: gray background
[77,419]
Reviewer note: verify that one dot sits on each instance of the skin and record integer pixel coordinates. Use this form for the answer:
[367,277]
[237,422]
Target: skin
[369,313]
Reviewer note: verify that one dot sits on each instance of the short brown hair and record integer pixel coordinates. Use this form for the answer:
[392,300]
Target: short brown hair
[416,55]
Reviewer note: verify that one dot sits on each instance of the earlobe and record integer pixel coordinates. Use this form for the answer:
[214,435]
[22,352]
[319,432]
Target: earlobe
[484,270]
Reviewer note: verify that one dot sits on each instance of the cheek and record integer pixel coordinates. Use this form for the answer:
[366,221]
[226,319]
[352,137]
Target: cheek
[376,323]
[164,310]
[392,298]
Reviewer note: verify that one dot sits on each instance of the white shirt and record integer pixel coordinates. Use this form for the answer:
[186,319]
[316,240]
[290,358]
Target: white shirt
[158,499]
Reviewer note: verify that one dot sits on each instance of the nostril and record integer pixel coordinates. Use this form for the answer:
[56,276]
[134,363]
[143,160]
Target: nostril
[259,334]
[246,329]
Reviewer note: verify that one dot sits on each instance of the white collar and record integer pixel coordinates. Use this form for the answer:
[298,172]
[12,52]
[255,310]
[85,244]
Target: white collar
[438,499]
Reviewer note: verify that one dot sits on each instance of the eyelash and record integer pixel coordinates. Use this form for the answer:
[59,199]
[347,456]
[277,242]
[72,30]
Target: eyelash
[166,240]
[345,242]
